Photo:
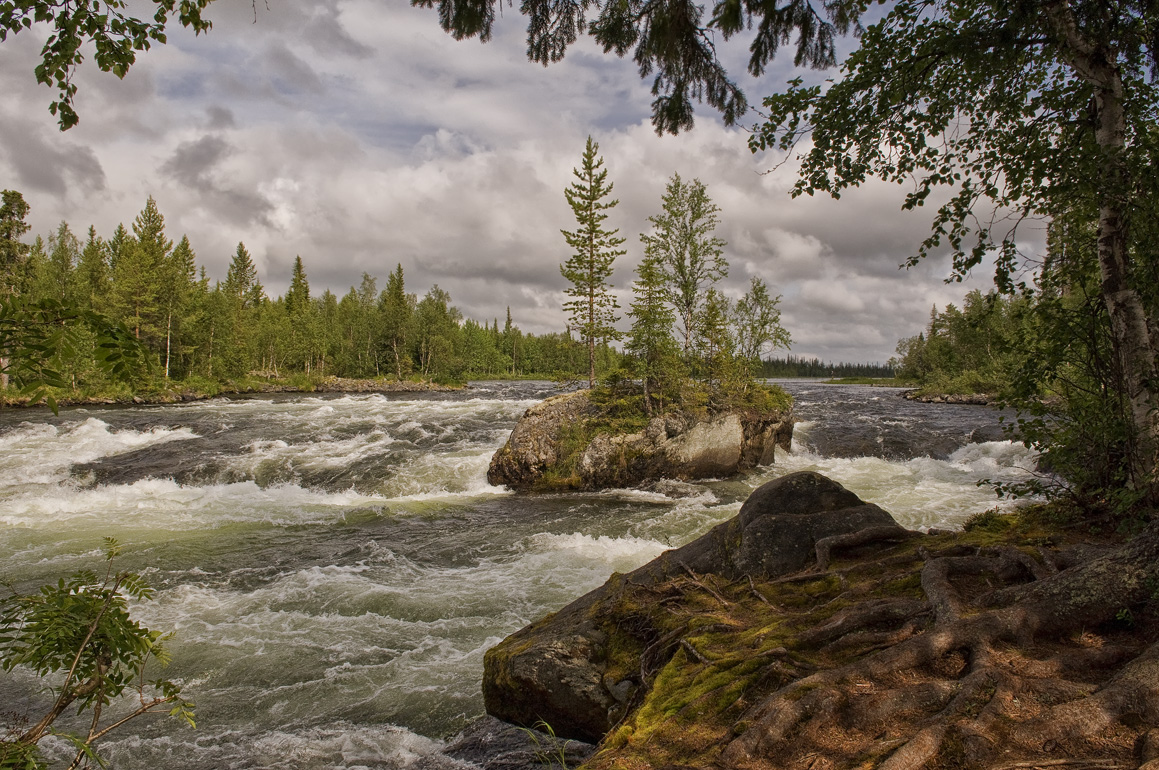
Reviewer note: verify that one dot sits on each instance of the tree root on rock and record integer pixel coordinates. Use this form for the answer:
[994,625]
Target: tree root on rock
[933,655]
[988,710]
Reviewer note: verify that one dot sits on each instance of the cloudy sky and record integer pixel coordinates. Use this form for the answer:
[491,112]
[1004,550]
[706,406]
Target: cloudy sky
[356,134]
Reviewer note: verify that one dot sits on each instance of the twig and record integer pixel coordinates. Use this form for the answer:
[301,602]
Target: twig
[756,593]
[698,582]
[693,652]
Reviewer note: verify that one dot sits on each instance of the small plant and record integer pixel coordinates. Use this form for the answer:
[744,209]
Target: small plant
[81,627]
[547,754]
[991,520]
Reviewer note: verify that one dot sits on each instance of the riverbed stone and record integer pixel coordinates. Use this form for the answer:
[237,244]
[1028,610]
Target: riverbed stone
[555,670]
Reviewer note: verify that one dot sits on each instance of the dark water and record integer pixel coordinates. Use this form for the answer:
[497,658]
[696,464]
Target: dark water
[858,421]
[334,567]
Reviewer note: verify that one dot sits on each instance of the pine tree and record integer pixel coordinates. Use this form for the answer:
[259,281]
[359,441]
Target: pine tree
[93,273]
[13,252]
[592,307]
[650,339]
[688,255]
[179,277]
[396,321]
[241,280]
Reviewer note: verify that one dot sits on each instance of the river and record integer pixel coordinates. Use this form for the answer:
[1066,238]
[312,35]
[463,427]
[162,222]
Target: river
[334,567]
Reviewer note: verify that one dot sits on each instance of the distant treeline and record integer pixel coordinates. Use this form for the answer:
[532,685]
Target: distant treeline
[795,366]
[195,327]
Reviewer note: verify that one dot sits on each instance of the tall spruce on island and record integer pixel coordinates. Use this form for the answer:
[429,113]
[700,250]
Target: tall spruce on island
[650,340]
[592,307]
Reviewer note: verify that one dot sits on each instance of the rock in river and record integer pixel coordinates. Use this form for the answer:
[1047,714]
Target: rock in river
[679,446]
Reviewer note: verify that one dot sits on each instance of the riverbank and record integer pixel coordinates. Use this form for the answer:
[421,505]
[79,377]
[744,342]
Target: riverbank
[1023,640]
[201,389]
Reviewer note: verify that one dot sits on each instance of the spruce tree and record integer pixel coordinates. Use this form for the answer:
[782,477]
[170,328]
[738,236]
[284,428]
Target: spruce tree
[57,279]
[117,246]
[243,295]
[396,321]
[305,345]
[720,369]
[592,307]
[298,297]
[650,338]
[93,273]
[13,253]
[139,275]
[241,280]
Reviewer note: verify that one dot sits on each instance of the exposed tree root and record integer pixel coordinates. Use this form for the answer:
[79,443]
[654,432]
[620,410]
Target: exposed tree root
[827,545]
[999,657]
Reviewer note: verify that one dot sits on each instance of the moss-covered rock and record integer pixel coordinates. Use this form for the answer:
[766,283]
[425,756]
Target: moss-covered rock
[567,442]
[581,669]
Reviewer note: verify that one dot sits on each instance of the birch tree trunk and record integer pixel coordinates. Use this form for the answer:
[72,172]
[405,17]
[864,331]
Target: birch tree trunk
[1096,64]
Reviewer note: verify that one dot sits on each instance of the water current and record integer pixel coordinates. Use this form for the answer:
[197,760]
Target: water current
[334,567]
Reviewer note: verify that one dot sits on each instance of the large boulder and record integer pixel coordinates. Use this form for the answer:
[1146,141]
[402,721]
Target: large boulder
[557,669]
[534,444]
[677,446]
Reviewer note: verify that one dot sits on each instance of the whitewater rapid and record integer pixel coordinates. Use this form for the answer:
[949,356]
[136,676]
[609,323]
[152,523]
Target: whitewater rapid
[334,568]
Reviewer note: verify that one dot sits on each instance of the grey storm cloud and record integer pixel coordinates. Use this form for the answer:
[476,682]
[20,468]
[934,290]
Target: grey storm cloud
[326,34]
[50,164]
[288,72]
[356,134]
[194,165]
[193,162]
[219,118]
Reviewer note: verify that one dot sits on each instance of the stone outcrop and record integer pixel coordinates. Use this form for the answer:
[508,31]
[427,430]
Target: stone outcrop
[557,670]
[678,446]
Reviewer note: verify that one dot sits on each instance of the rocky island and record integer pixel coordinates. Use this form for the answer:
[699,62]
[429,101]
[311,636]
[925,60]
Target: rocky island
[559,444]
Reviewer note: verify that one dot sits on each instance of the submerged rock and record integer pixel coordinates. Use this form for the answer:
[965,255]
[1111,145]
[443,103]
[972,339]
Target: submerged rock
[488,744]
[674,446]
[558,670]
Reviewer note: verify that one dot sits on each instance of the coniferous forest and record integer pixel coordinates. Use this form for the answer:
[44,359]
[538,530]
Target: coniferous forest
[207,332]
